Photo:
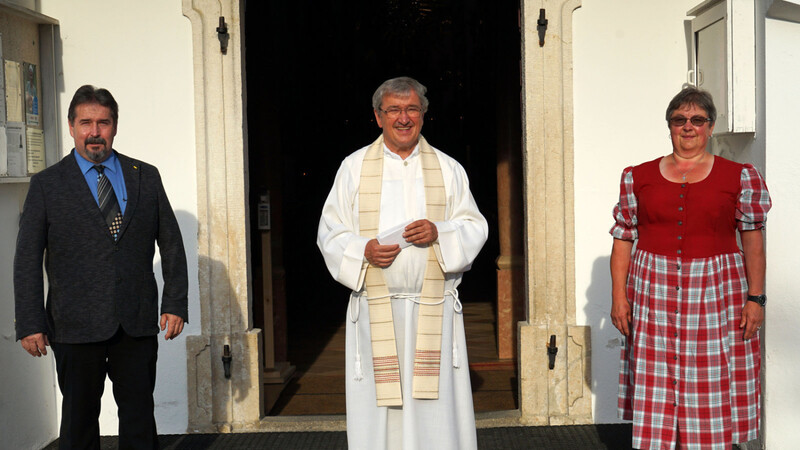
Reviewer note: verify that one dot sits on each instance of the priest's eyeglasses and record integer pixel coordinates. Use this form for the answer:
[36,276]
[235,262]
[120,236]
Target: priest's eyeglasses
[697,121]
[393,112]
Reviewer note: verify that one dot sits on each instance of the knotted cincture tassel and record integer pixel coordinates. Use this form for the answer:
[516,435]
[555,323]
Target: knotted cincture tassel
[358,372]
[457,308]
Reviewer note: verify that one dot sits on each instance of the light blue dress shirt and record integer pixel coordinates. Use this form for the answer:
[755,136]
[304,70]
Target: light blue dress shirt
[113,171]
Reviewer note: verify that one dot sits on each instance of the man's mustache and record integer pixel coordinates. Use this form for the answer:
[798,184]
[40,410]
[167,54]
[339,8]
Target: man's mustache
[95,140]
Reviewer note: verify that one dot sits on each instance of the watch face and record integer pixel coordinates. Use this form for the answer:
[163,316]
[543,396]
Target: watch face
[760,299]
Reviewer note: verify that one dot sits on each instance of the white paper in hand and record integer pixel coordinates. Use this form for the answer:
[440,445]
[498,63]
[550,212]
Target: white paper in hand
[394,235]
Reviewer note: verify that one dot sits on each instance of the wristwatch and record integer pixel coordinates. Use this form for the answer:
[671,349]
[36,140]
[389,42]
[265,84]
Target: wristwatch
[760,299]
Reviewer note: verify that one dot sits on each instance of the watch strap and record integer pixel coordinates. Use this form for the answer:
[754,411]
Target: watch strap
[760,299]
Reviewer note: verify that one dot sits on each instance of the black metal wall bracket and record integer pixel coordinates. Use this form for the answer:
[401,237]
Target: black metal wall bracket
[541,26]
[552,350]
[226,361]
[222,34]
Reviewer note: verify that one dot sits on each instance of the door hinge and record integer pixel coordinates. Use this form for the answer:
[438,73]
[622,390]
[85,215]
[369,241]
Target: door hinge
[541,26]
[552,351]
[222,34]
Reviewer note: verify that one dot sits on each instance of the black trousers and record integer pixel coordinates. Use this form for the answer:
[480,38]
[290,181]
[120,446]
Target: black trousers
[130,364]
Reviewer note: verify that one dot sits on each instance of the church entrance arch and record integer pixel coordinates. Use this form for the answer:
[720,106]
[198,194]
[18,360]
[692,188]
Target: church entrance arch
[311,69]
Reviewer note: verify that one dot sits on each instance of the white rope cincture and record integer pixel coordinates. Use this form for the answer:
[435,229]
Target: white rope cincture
[355,312]
[457,309]
[358,373]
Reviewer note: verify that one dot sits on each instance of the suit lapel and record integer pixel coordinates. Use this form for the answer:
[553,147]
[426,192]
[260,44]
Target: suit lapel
[131,171]
[75,182]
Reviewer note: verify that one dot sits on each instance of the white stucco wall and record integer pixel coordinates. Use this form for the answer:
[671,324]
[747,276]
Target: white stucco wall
[782,363]
[142,52]
[630,59]
[28,390]
[28,412]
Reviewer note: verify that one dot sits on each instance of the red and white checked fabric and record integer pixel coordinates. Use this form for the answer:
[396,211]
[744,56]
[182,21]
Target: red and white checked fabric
[686,373]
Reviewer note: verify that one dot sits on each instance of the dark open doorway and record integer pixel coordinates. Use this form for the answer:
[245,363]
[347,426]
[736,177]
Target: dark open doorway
[311,70]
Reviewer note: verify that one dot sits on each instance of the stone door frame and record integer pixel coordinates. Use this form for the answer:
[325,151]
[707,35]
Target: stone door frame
[547,397]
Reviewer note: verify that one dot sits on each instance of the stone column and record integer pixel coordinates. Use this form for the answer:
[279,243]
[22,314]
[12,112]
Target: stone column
[217,402]
[561,395]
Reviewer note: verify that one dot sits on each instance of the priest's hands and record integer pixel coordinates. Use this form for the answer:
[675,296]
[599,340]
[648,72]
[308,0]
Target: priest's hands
[421,232]
[381,255]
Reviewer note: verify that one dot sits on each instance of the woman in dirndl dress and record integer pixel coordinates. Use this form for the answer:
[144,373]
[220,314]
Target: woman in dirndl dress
[689,300]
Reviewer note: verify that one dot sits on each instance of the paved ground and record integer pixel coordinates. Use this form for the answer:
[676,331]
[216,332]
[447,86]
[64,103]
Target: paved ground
[582,437]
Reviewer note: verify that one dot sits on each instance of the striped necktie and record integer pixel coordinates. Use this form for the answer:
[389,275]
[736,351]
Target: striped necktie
[107,201]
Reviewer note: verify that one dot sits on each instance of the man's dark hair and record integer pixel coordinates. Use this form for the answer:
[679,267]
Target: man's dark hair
[90,94]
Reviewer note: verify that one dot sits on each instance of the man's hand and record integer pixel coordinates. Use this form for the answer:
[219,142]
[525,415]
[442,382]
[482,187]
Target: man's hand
[752,318]
[173,324]
[421,232]
[35,344]
[381,255]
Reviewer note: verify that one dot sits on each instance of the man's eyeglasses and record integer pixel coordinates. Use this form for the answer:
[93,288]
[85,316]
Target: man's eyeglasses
[393,113]
[697,121]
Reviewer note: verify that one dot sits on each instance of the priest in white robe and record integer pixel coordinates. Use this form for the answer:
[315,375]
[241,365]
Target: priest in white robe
[400,219]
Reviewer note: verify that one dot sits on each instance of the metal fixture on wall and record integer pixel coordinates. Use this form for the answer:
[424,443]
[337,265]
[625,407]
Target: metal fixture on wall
[552,350]
[222,34]
[226,360]
[541,26]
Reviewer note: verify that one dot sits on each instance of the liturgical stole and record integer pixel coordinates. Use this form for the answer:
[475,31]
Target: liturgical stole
[427,358]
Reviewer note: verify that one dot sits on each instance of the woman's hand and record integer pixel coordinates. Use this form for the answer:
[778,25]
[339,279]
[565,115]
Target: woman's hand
[755,266]
[752,318]
[621,315]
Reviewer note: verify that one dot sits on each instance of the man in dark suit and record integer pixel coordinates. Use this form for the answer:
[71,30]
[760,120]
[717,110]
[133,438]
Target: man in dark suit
[96,216]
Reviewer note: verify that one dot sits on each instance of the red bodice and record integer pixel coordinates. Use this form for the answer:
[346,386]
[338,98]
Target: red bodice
[688,220]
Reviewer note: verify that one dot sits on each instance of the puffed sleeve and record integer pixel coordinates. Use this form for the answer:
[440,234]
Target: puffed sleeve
[754,202]
[625,212]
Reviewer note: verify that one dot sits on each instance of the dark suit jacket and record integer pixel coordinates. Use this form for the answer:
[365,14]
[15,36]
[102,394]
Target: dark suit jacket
[96,284]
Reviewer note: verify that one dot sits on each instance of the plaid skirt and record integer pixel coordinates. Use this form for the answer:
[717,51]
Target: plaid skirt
[687,375]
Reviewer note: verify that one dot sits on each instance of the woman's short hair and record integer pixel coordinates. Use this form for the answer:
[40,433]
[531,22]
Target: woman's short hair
[90,94]
[693,96]
[401,86]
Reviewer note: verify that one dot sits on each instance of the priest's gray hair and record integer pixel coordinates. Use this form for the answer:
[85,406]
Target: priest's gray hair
[401,86]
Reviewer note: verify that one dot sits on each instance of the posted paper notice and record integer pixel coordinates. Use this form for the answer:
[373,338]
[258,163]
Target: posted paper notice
[13,84]
[35,141]
[16,145]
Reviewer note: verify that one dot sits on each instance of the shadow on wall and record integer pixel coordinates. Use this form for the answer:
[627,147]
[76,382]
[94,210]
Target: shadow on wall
[170,390]
[226,324]
[606,342]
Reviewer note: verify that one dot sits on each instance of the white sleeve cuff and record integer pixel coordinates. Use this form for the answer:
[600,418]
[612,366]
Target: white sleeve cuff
[351,273]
